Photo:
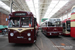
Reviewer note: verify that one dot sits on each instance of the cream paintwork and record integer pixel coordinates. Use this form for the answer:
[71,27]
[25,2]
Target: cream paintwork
[72,24]
[72,16]
[72,7]
[23,29]
[66,32]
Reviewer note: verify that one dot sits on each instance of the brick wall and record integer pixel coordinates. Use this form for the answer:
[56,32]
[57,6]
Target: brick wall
[3,19]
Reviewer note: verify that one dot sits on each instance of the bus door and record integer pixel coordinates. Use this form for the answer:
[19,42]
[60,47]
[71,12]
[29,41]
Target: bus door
[63,24]
[68,25]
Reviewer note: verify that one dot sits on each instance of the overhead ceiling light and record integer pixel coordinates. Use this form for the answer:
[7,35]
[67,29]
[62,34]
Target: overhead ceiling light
[33,6]
[50,7]
[58,5]
[30,5]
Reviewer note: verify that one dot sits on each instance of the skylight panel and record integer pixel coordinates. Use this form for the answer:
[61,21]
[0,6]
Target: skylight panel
[36,9]
[51,6]
[33,6]
[57,7]
[30,5]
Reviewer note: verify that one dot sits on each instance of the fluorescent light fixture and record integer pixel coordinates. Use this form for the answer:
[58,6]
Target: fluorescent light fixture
[33,5]
[30,5]
[51,6]
[36,9]
[58,5]
[3,5]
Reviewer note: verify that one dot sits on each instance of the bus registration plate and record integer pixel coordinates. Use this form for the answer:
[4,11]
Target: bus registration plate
[20,37]
[54,32]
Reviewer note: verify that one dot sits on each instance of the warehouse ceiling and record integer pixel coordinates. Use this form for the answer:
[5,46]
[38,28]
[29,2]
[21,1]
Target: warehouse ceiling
[17,5]
[65,9]
[40,8]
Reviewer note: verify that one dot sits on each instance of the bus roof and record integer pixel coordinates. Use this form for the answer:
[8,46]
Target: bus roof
[66,20]
[73,7]
[21,14]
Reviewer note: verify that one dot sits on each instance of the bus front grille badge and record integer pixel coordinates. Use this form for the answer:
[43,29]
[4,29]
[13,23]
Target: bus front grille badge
[19,29]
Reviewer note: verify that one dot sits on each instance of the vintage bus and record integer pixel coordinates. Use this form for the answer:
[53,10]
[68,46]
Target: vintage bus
[73,22]
[66,27]
[52,27]
[22,27]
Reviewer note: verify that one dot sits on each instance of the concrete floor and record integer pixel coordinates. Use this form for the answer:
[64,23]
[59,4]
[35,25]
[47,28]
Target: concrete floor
[42,43]
[63,42]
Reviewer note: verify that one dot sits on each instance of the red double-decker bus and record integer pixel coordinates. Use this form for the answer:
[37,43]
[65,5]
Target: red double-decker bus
[66,27]
[52,27]
[73,22]
[22,27]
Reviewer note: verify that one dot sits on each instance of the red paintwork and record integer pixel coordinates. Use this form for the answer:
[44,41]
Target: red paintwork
[73,32]
[72,13]
[64,21]
[14,39]
[73,20]
[38,25]
[48,30]
[51,29]
[21,40]
[73,28]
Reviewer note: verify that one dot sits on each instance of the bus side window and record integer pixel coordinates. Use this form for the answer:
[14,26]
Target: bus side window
[46,24]
[68,25]
[50,24]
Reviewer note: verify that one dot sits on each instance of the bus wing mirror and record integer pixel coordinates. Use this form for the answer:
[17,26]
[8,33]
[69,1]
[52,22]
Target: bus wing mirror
[7,19]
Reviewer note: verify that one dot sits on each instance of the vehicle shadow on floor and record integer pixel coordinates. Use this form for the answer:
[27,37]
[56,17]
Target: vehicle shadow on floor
[66,36]
[22,45]
[73,38]
[53,36]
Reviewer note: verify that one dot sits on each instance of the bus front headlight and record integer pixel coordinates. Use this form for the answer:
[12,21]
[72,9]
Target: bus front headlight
[11,34]
[29,39]
[60,33]
[28,34]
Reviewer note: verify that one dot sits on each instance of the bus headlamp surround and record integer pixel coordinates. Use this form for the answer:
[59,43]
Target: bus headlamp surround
[29,39]
[29,34]
[11,34]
